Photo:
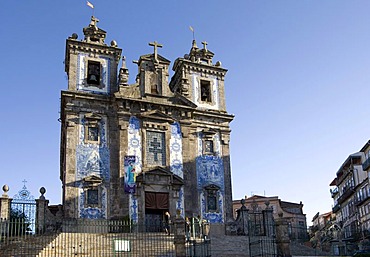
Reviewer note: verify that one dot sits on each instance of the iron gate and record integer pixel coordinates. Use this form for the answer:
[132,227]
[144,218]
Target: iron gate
[23,210]
[261,235]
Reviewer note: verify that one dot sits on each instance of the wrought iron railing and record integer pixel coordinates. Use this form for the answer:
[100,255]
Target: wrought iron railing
[347,192]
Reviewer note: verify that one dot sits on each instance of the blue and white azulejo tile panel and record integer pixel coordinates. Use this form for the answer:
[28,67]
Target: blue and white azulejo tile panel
[214,91]
[176,164]
[216,142]
[133,208]
[92,159]
[213,217]
[82,85]
[90,212]
[134,142]
[210,171]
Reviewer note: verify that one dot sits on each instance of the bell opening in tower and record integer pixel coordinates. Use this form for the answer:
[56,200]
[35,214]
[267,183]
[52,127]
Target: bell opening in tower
[93,73]
[205,91]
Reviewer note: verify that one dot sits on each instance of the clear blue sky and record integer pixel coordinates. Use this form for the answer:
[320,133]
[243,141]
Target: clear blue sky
[298,83]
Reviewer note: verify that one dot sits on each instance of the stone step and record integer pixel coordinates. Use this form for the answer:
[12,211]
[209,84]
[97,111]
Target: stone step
[90,244]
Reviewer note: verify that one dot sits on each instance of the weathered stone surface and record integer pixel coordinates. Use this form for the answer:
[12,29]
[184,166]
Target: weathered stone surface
[195,159]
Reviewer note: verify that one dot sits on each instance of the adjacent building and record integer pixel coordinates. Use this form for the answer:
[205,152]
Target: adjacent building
[293,212]
[321,231]
[350,193]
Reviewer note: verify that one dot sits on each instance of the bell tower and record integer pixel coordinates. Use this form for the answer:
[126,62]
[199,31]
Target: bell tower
[153,73]
[90,64]
[199,80]
[88,125]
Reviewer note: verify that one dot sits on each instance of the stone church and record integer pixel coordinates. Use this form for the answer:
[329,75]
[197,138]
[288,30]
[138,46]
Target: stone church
[140,150]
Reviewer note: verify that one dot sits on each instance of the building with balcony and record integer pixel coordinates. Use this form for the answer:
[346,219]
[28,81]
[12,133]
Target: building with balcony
[363,194]
[350,193]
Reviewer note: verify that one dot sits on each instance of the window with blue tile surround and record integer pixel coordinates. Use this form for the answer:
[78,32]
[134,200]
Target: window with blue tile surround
[155,148]
[92,197]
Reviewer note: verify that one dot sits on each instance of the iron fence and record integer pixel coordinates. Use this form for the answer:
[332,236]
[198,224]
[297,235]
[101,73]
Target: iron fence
[87,238]
[261,235]
[198,248]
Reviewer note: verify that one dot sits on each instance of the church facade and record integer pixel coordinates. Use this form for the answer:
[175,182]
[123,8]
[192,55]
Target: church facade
[140,150]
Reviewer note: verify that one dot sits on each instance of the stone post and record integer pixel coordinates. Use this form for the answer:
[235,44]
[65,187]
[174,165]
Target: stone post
[179,235]
[41,205]
[268,220]
[282,237]
[242,220]
[5,202]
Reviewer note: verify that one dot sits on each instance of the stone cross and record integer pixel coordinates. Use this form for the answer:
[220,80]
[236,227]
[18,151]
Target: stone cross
[156,45]
[94,21]
[205,45]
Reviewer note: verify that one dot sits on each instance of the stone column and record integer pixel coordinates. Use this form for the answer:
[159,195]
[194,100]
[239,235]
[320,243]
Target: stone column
[179,235]
[282,237]
[5,202]
[41,206]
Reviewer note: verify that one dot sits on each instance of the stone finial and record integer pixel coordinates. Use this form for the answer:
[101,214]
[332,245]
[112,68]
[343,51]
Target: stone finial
[42,192]
[254,205]
[267,203]
[113,43]
[123,73]
[194,44]
[6,190]
[242,201]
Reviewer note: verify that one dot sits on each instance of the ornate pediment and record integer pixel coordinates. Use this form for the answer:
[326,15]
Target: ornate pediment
[181,100]
[159,175]
[92,180]
[149,57]
[157,115]
[92,116]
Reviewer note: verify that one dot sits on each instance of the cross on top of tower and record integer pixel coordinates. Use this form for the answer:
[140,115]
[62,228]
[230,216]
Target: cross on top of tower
[204,43]
[94,21]
[155,44]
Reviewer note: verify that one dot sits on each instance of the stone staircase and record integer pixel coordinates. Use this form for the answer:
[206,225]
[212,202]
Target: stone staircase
[92,244]
[229,246]
[297,249]
[29,245]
